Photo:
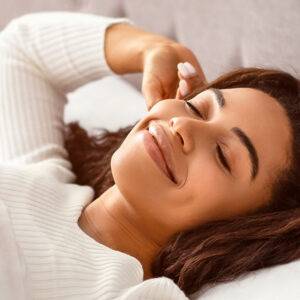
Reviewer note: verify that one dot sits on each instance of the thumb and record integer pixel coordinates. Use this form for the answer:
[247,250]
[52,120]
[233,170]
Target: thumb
[153,92]
[152,100]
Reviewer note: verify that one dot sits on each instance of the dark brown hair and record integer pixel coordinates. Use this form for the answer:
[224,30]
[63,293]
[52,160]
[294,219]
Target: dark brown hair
[217,251]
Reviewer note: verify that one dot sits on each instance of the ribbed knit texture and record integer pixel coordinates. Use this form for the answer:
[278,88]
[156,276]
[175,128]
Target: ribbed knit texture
[42,57]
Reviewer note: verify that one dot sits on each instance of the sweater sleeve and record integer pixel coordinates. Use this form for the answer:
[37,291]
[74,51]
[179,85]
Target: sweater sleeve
[43,56]
[154,289]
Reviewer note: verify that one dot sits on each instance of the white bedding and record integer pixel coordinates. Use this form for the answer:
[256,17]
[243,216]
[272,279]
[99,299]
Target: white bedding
[276,283]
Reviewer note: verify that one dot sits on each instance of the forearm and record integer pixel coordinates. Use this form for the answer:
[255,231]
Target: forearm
[67,49]
[127,46]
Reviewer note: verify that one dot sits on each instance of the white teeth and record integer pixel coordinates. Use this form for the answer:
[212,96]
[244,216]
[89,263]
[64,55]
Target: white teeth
[153,130]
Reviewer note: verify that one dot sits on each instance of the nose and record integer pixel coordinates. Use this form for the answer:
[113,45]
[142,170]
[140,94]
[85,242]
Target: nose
[188,131]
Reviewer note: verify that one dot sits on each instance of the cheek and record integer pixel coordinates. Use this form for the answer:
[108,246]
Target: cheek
[208,194]
[127,168]
[215,196]
[139,180]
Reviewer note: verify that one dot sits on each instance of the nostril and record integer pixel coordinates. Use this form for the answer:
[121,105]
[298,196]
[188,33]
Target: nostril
[172,121]
[181,139]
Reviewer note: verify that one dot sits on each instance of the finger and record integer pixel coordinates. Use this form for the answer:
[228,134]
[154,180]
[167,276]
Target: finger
[171,90]
[180,76]
[186,70]
[152,96]
[152,90]
[192,79]
[168,87]
[194,62]
[152,99]
[184,88]
[178,94]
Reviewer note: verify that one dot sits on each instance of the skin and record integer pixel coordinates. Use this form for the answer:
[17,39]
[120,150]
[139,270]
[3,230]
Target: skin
[144,209]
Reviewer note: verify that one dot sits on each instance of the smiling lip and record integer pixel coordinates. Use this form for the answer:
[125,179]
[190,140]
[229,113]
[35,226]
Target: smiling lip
[156,153]
[164,146]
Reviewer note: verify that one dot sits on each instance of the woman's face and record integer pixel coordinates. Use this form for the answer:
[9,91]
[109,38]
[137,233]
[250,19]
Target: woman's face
[224,159]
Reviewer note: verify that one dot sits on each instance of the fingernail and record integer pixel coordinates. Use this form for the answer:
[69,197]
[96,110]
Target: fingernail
[184,90]
[190,68]
[183,70]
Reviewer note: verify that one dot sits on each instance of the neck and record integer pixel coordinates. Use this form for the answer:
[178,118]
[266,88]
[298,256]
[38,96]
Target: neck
[111,221]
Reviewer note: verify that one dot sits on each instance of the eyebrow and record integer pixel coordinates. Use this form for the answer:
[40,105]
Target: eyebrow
[250,147]
[219,96]
[245,140]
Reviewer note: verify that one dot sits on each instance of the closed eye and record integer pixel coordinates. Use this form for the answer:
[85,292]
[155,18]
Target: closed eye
[219,149]
[223,158]
[192,106]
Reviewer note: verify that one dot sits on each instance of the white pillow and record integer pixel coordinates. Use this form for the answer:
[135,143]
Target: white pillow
[275,283]
[110,102]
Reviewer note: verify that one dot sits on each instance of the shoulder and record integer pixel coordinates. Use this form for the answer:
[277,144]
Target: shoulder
[45,187]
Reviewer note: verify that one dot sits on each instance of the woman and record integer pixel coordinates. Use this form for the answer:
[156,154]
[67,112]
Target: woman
[104,249]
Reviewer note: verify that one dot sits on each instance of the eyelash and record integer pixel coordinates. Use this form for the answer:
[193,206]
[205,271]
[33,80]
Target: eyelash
[219,149]
[192,106]
[223,158]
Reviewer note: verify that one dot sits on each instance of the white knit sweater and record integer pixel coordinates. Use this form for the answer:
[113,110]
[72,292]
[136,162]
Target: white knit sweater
[42,57]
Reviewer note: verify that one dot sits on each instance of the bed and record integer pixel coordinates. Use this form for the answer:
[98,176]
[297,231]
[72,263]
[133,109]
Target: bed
[223,37]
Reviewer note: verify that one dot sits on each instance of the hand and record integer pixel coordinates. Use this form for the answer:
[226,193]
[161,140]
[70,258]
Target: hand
[129,50]
[160,79]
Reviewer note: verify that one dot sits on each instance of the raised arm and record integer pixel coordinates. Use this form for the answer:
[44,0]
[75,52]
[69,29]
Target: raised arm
[42,57]
[156,56]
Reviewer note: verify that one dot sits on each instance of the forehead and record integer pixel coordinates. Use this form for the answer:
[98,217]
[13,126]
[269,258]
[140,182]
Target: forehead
[264,120]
